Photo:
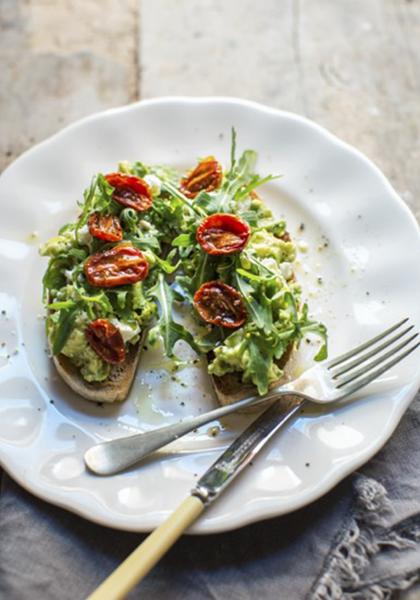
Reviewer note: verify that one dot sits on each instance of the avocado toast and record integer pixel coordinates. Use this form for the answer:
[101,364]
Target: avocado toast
[237,272]
[101,268]
[145,240]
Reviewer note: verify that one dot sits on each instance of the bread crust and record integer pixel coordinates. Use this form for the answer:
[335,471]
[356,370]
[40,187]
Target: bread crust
[117,385]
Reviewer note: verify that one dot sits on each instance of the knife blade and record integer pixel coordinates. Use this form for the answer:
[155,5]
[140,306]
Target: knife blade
[242,450]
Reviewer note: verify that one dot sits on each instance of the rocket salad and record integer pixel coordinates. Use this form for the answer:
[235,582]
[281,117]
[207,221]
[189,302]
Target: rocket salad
[147,238]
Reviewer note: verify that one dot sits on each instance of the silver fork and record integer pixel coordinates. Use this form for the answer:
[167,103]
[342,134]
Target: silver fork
[324,383]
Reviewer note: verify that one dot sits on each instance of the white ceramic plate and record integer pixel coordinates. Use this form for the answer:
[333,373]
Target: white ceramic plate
[363,242]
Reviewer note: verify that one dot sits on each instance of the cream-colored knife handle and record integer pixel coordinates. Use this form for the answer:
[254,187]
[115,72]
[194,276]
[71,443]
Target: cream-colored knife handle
[144,558]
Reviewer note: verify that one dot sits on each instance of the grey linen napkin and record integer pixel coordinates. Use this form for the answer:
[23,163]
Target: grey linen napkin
[359,542]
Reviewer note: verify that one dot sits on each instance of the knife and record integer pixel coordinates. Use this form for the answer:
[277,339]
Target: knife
[220,474]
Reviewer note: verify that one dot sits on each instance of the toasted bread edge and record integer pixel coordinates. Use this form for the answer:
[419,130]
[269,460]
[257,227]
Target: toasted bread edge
[114,389]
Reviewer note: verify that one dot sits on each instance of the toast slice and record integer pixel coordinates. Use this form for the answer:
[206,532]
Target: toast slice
[229,388]
[117,385]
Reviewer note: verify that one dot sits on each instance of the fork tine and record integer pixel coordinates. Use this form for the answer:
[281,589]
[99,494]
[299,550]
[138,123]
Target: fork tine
[354,363]
[375,363]
[378,372]
[343,357]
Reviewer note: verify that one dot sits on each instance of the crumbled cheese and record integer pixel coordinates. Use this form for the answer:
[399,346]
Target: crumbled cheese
[127,332]
[154,183]
[68,274]
[83,236]
[286,269]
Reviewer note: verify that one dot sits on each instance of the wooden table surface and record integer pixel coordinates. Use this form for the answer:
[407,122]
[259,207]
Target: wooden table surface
[352,66]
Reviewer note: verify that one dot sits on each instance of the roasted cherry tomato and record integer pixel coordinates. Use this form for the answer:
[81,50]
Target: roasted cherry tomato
[120,265]
[130,191]
[105,227]
[106,340]
[222,234]
[207,176]
[220,304]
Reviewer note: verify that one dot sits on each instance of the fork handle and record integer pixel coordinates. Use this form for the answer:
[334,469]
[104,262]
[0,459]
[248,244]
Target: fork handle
[108,458]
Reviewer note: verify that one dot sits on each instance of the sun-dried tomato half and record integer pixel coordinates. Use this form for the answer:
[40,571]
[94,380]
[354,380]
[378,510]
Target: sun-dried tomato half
[120,265]
[130,191]
[206,176]
[105,227]
[220,304]
[106,340]
[222,233]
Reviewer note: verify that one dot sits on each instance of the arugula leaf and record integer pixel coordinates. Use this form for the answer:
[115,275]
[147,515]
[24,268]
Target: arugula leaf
[165,265]
[204,271]
[254,182]
[88,196]
[129,219]
[145,241]
[77,253]
[169,330]
[259,313]
[250,216]
[53,277]
[122,299]
[61,305]
[183,240]
[63,329]
[206,343]
[252,276]
[232,149]
[66,227]
[214,202]
[307,325]
[171,189]
[259,360]
[101,299]
[239,181]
